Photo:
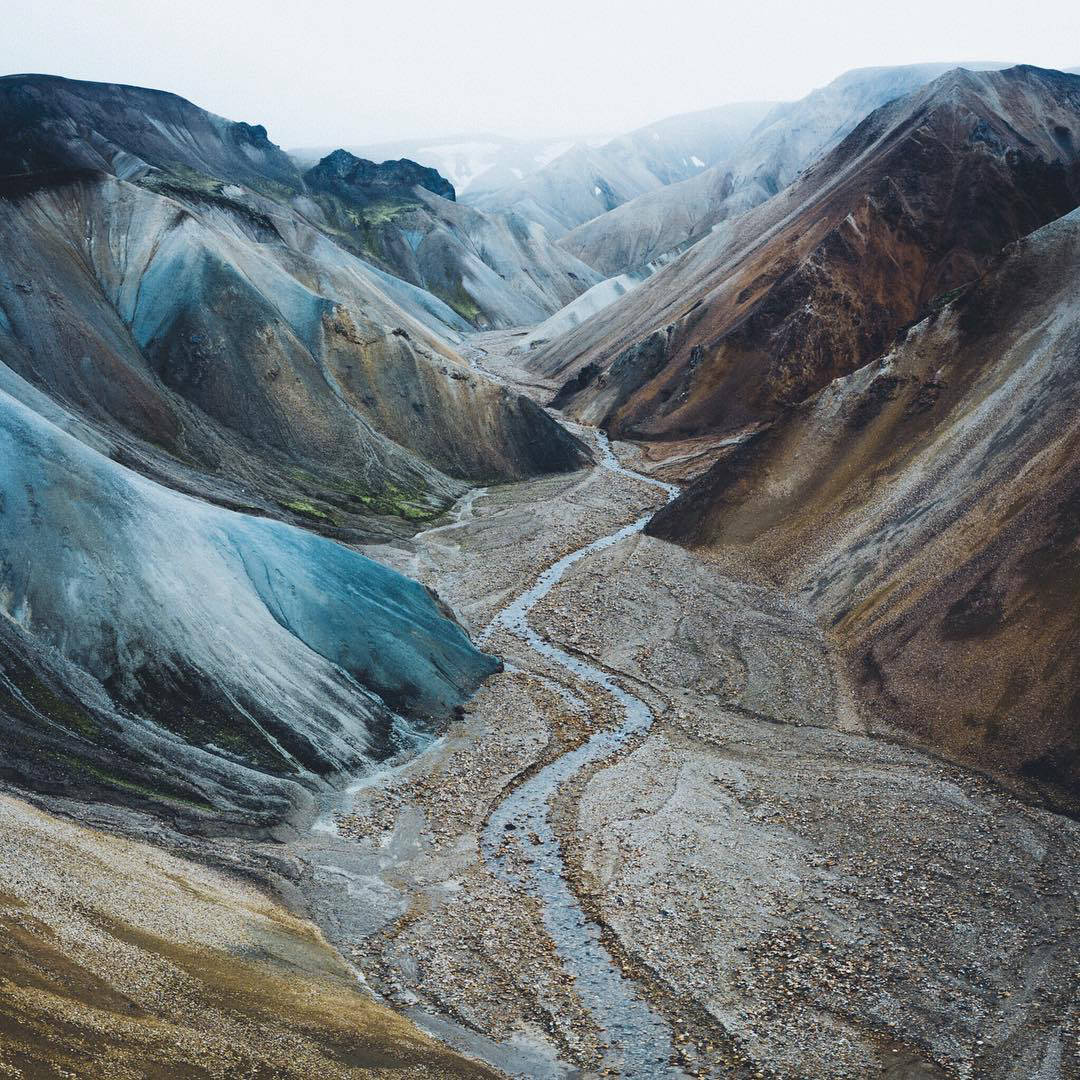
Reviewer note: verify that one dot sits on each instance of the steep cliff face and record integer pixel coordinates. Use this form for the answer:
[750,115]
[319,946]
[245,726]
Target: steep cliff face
[771,307]
[926,507]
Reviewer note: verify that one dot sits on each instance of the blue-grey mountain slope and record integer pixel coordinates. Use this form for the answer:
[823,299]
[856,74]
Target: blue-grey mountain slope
[154,647]
[787,139]
[587,181]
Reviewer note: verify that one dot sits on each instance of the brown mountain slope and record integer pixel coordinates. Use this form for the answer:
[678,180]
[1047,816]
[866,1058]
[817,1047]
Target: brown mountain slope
[928,508]
[122,962]
[817,281]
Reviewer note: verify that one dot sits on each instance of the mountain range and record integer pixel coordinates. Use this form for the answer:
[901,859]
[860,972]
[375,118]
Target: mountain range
[192,364]
[517,555]
[815,282]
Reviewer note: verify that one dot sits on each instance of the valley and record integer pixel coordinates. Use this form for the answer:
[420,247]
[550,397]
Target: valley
[745,804]
[616,619]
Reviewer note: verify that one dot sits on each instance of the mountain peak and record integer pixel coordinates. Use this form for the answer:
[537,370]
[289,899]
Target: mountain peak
[343,173]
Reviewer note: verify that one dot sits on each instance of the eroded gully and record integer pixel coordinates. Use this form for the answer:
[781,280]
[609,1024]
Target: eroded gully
[638,1040]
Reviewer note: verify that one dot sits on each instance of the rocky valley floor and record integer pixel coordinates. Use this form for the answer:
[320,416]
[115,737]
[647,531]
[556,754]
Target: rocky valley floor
[743,883]
[791,897]
[367,712]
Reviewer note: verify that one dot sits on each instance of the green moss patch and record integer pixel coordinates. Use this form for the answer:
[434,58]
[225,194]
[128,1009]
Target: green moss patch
[390,501]
[125,783]
[309,510]
[44,700]
[459,299]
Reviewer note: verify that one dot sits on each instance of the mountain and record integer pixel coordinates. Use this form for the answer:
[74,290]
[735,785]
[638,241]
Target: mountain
[363,182]
[223,344]
[594,299]
[815,282]
[926,508]
[789,137]
[472,163]
[247,359]
[586,181]
[47,122]
[154,647]
[160,139]
[494,270]
[187,365]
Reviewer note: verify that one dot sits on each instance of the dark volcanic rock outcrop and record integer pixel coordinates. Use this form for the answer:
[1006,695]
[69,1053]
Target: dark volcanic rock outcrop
[927,508]
[360,181]
[491,269]
[916,201]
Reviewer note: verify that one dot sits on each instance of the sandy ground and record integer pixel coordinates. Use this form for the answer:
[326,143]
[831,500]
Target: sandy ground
[842,907]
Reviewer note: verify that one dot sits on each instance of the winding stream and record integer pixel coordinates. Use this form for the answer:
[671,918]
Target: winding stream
[638,1039]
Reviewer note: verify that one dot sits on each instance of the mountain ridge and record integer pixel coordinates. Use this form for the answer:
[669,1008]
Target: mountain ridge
[686,352]
[786,140]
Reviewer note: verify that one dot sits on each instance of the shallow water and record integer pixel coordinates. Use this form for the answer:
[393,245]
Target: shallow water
[638,1038]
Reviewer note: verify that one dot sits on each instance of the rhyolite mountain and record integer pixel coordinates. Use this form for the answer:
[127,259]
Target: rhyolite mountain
[494,270]
[815,282]
[278,376]
[156,648]
[219,339]
[161,140]
[927,508]
[586,180]
[786,140]
[187,364]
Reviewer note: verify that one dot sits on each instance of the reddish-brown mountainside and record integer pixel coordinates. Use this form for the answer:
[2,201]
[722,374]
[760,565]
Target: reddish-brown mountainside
[917,201]
[928,509]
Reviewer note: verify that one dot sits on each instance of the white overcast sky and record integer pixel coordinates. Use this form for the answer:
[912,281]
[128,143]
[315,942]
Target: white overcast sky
[319,72]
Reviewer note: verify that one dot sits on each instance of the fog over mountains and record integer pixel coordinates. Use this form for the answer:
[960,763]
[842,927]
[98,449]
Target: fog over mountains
[615,596]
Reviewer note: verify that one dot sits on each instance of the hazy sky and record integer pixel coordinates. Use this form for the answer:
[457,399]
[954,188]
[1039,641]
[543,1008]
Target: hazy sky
[329,71]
